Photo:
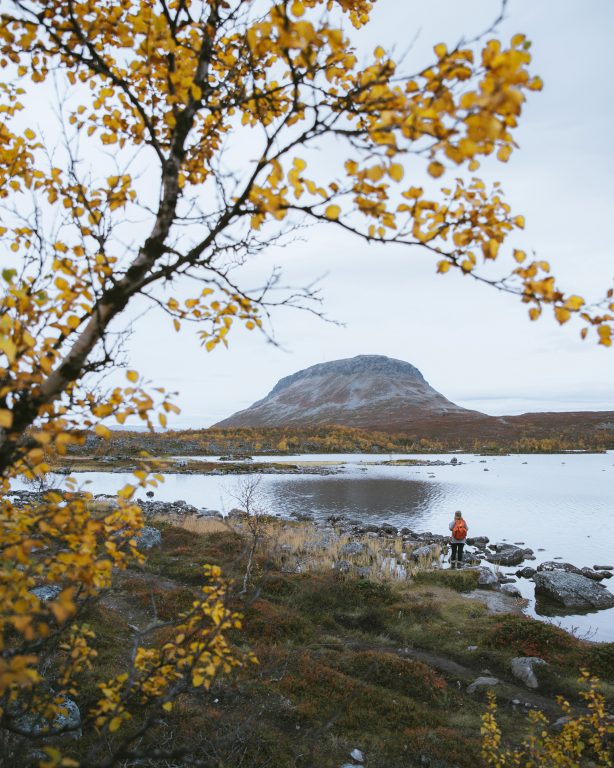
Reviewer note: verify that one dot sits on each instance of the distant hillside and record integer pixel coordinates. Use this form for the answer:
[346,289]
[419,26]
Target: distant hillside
[367,392]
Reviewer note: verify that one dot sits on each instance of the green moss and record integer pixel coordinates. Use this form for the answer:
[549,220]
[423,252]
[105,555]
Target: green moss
[460,581]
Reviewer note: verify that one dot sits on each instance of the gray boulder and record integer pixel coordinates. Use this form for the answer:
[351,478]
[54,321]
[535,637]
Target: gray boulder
[148,538]
[556,565]
[572,590]
[356,754]
[523,667]
[604,567]
[482,682]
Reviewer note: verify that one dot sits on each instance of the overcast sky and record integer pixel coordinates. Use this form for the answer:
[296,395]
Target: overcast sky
[474,345]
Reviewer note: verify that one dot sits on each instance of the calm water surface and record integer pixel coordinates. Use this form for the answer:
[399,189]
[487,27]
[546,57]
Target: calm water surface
[562,505]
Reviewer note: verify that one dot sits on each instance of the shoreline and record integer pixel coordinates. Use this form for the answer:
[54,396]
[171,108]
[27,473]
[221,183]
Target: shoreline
[385,552]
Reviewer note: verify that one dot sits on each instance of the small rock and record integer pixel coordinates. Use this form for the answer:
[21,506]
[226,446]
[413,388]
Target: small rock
[526,573]
[487,578]
[590,574]
[210,513]
[47,592]
[352,548]
[148,538]
[523,667]
[559,724]
[67,721]
[506,554]
[472,648]
[357,755]
[424,552]
[604,567]
[342,566]
[482,682]
[391,529]
[370,528]
[511,589]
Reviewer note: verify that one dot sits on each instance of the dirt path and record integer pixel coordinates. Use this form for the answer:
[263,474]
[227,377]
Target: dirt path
[463,676]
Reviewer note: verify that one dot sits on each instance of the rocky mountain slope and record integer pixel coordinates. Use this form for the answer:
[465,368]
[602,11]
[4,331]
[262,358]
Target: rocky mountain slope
[368,391]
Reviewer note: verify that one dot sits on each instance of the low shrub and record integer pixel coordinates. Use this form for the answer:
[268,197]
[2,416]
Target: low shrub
[407,676]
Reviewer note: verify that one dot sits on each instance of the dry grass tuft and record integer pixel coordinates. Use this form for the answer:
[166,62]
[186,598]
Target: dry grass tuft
[303,547]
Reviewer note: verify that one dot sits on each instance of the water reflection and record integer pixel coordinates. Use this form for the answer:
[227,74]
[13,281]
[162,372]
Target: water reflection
[376,500]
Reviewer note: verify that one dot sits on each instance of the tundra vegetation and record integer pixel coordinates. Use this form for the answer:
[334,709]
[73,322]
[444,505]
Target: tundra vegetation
[138,190]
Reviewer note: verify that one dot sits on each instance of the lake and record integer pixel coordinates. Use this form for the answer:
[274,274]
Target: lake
[559,505]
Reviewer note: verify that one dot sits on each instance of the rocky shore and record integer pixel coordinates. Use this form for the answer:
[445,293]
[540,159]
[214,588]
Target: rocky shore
[386,551]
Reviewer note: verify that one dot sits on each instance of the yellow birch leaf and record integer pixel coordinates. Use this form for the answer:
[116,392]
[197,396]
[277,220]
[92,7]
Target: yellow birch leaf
[6,419]
[9,348]
[574,302]
[114,724]
[396,172]
[102,431]
[435,169]
[504,153]
[132,376]
[332,212]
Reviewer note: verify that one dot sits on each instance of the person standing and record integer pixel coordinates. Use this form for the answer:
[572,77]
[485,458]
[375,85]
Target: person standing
[458,539]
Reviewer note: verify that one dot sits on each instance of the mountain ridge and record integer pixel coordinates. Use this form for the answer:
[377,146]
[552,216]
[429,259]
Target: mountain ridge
[366,391]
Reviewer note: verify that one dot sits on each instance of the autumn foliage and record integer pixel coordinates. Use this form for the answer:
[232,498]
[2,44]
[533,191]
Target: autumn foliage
[577,740]
[144,179]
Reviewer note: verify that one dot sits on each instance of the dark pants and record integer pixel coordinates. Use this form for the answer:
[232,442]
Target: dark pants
[456,555]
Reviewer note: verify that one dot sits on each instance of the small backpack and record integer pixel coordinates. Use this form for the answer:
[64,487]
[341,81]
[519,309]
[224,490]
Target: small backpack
[459,531]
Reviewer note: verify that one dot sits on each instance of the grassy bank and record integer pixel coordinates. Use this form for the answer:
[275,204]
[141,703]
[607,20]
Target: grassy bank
[75,464]
[344,662]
